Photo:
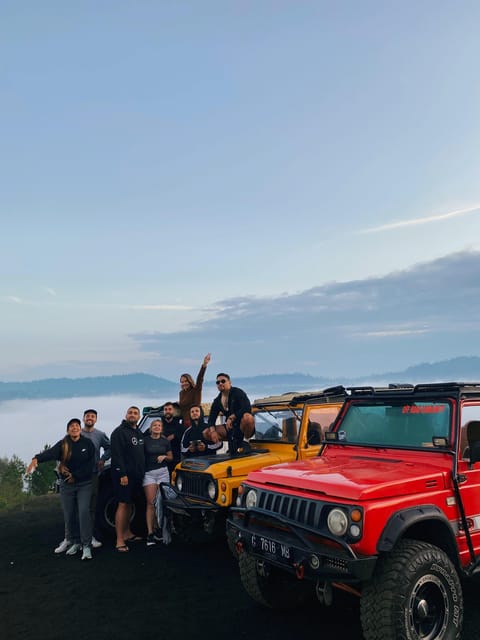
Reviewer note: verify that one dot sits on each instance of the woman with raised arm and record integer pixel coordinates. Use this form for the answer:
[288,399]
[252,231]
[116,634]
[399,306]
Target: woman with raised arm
[191,392]
[76,455]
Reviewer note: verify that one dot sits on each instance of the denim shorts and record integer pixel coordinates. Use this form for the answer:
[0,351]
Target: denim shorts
[156,476]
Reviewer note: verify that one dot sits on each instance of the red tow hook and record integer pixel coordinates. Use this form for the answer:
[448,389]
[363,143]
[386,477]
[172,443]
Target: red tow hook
[239,546]
[300,571]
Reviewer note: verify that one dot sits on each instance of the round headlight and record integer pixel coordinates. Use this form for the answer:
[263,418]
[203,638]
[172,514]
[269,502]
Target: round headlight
[337,522]
[212,490]
[179,482]
[354,530]
[251,499]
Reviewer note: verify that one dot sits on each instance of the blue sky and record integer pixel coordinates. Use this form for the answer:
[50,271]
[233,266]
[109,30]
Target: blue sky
[293,186]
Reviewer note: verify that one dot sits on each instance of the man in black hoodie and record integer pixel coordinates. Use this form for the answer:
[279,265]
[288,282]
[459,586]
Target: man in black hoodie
[128,469]
[193,441]
[173,431]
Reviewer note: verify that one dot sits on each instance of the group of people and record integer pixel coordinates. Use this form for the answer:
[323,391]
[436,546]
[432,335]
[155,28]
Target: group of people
[141,460]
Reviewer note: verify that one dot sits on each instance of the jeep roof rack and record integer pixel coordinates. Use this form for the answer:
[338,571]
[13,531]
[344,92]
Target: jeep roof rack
[298,396]
[460,388]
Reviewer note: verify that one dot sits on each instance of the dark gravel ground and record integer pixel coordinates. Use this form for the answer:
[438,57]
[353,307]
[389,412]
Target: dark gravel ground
[156,593]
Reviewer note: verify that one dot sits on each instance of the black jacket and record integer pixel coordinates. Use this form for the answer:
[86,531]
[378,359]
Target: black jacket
[127,451]
[176,429]
[238,404]
[81,461]
[195,432]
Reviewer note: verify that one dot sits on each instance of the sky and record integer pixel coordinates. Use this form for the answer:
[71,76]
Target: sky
[292,186]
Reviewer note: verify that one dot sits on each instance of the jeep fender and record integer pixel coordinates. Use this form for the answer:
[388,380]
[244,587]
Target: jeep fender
[419,518]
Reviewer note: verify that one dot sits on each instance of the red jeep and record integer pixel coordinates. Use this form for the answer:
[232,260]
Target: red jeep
[389,511]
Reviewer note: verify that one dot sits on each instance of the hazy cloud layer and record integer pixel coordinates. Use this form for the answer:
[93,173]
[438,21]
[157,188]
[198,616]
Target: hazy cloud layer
[426,313]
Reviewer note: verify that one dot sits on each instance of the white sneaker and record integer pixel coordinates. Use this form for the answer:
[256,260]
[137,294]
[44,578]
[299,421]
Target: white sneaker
[87,553]
[96,544]
[72,550]
[62,547]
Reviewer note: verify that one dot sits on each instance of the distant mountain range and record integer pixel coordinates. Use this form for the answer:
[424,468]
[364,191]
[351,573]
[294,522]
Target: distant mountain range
[456,369]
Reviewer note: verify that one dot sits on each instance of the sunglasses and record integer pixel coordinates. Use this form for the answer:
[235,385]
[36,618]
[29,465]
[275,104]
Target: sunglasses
[221,381]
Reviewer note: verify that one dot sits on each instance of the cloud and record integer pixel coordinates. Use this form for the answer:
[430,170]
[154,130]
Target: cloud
[155,307]
[14,299]
[387,333]
[417,221]
[428,312]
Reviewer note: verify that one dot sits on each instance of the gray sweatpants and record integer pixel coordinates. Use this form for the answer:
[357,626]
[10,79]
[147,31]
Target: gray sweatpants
[75,499]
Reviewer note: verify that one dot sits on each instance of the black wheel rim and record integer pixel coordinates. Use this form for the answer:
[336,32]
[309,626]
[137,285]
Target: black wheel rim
[429,608]
[110,510]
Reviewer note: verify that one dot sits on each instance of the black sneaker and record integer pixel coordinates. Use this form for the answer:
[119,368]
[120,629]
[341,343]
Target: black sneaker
[157,535]
[244,448]
[150,540]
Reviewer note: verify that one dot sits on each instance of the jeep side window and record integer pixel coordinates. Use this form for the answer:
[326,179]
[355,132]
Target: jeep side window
[319,421]
[470,413]
[280,425]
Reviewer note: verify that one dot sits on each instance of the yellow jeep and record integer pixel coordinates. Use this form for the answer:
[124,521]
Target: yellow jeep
[287,427]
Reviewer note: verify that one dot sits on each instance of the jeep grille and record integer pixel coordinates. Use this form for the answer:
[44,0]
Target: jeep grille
[195,484]
[306,512]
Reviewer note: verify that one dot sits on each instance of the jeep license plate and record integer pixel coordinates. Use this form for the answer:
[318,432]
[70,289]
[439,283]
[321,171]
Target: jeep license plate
[271,547]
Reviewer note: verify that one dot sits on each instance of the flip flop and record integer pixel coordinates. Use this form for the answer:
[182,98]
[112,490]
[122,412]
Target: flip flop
[134,539]
[122,548]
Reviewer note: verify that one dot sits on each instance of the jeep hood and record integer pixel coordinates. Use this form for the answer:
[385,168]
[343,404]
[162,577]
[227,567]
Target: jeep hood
[357,476]
[223,465]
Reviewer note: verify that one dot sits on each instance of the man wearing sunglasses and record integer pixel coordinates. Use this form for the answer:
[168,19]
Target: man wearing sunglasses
[233,404]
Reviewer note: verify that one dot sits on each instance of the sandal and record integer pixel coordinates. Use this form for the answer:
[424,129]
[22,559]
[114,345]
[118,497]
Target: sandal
[134,539]
[122,548]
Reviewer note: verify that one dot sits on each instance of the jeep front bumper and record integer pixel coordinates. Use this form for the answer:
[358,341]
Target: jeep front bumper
[186,504]
[297,549]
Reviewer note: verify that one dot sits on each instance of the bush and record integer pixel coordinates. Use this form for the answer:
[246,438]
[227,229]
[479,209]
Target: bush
[12,490]
[43,478]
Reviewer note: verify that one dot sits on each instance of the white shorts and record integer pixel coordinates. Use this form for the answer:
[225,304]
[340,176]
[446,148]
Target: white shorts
[156,476]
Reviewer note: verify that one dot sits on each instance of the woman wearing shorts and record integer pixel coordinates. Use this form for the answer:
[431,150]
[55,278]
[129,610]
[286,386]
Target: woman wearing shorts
[157,453]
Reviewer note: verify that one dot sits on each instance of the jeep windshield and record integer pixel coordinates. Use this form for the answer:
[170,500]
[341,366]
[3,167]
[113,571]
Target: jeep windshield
[280,425]
[406,424]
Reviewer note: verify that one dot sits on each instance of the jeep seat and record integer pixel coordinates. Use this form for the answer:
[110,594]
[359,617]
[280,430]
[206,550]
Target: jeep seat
[473,438]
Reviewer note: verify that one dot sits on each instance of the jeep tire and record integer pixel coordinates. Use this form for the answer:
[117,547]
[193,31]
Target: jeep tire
[272,587]
[415,593]
[107,506]
[232,543]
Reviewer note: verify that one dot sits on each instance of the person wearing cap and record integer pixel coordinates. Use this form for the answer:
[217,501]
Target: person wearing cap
[76,455]
[233,404]
[100,441]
